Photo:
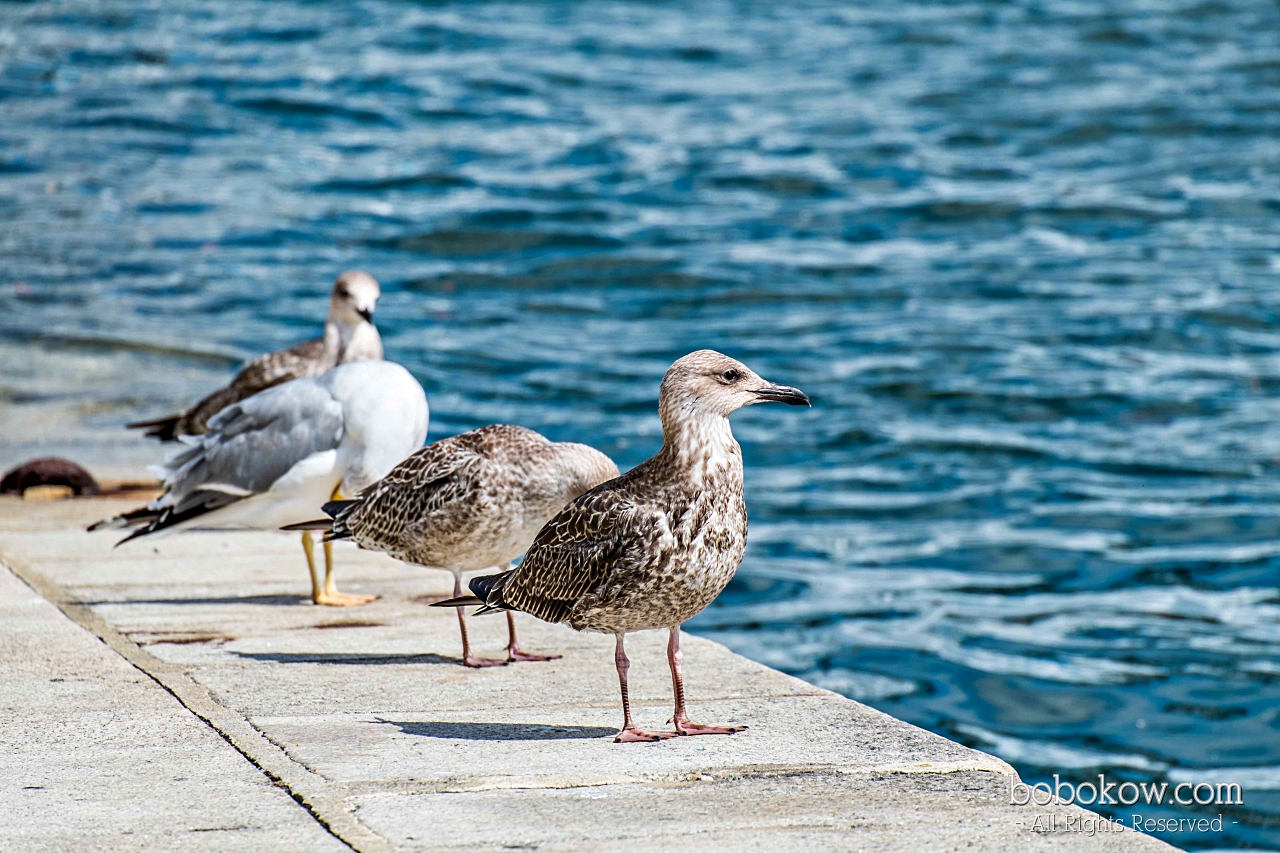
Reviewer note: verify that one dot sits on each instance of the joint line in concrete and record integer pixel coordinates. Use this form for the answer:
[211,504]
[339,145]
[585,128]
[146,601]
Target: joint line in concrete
[306,788]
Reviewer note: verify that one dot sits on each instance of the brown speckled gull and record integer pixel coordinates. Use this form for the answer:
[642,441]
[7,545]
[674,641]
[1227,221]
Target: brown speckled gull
[655,546]
[349,335]
[471,502]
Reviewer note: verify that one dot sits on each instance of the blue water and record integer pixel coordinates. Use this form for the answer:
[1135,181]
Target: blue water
[1024,256]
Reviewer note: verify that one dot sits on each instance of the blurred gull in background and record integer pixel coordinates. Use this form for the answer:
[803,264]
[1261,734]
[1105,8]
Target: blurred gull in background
[349,335]
[275,458]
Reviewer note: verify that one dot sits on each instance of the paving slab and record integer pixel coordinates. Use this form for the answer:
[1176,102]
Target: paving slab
[94,754]
[366,718]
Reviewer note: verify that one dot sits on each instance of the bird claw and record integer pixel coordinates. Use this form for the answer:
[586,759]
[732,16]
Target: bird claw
[514,655]
[342,599]
[477,663]
[634,735]
[685,728]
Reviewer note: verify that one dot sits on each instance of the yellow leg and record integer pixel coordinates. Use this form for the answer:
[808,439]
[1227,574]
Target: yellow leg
[328,593]
[309,548]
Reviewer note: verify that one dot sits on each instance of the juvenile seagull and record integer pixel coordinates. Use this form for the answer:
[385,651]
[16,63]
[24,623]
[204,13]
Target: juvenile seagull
[471,502]
[655,546]
[270,460]
[349,335]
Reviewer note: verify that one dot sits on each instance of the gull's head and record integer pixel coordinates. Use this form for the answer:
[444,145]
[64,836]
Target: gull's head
[355,295]
[710,383]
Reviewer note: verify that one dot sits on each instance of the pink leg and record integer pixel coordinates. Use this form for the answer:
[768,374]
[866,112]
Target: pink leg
[467,658]
[681,719]
[513,651]
[629,733]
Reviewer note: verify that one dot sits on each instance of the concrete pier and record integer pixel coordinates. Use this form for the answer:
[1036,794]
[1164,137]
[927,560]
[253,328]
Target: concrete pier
[182,693]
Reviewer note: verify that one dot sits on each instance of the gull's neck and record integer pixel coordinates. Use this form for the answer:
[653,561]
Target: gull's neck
[699,443]
[350,341]
[333,341]
[343,330]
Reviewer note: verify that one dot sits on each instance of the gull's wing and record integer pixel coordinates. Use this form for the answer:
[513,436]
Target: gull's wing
[266,371]
[426,482]
[577,551]
[251,444]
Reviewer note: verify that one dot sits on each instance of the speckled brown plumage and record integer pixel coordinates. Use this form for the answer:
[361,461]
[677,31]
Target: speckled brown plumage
[649,551]
[657,545]
[474,501]
[349,335]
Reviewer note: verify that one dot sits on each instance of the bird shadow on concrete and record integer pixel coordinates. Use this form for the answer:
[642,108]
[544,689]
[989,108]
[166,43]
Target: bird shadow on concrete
[347,658]
[500,731]
[267,599]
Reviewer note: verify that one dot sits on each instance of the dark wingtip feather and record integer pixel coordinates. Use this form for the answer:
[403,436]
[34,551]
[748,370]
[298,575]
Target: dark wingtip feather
[141,531]
[165,429]
[488,588]
[142,515]
[460,601]
[334,508]
[325,524]
[148,520]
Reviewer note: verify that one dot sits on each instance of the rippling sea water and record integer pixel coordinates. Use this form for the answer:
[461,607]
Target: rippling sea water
[1023,256]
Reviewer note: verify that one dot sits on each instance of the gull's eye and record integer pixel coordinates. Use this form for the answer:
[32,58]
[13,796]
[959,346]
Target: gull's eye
[730,375]
[342,291]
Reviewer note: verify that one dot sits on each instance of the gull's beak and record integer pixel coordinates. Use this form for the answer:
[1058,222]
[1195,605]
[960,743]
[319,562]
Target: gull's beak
[782,394]
[366,313]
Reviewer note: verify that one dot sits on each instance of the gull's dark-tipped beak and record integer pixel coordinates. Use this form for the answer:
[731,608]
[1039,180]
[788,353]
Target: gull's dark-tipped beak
[783,394]
[366,313]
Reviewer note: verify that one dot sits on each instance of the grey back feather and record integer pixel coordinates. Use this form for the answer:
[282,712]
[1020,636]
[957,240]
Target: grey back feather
[252,443]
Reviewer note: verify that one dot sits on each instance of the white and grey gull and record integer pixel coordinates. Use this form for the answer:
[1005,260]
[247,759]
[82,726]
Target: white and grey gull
[349,335]
[468,503]
[272,459]
[655,546]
